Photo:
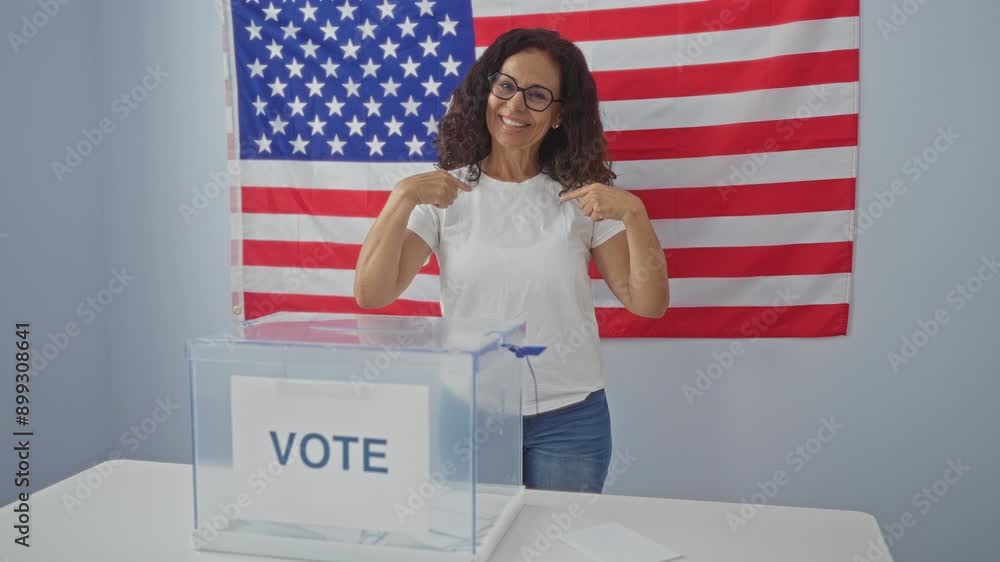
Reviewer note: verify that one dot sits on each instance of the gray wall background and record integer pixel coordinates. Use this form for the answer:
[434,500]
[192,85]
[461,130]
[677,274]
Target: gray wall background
[119,210]
[52,242]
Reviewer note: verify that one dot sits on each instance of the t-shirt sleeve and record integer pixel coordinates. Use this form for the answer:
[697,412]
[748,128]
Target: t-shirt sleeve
[424,221]
[604,230]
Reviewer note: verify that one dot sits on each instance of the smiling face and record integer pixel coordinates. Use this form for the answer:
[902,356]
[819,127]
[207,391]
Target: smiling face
[511,123]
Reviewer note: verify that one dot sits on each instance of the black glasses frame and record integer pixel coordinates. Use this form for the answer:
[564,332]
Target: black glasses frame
[520,89]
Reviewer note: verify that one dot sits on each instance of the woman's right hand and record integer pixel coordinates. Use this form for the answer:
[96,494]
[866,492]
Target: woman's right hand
[437,187]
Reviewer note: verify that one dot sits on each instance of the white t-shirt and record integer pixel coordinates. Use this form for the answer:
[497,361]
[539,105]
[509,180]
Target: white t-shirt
[513,251]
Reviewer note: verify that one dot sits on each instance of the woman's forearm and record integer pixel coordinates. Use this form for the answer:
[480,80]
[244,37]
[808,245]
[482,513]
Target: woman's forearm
[649,292]
[377,272]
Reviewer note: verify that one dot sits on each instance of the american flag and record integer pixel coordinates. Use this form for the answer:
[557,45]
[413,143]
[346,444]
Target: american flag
[735,122]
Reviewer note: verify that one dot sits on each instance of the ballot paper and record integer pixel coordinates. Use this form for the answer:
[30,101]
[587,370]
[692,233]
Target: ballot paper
[611,542]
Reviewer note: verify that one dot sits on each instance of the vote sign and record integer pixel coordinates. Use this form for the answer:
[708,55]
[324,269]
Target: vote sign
[348,455]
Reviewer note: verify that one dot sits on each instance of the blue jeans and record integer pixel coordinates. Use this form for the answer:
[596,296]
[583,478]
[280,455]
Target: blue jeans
[569,448]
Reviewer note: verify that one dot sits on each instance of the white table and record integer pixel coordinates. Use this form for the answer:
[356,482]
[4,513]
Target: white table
[143,512]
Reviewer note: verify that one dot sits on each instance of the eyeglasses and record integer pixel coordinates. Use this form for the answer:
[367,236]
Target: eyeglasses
[537,98]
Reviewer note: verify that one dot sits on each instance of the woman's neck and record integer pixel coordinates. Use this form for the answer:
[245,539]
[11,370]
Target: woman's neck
[511,167]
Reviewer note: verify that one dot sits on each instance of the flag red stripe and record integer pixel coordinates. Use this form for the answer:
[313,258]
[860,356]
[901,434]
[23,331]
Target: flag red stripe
[671,19]
[756,261]
[309,255]
[728,322]
[319,202]
[261,304]
[736,138]
[749,199]
[785,71]
[694,322]
[661,203]
[741,261]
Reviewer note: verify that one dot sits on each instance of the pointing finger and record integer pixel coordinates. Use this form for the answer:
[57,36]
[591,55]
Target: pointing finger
[573,194]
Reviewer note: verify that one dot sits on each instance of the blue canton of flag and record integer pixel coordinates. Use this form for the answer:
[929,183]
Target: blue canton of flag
[347,80]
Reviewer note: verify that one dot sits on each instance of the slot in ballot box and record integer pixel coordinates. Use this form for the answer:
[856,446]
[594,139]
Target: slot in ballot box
[357,437]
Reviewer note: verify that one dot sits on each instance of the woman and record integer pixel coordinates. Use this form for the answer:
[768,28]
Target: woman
[520,203]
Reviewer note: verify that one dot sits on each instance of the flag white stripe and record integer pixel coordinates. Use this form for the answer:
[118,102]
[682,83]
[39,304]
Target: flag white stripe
[486,8]
[363,176]
[754,230]
[726,46]
[774,167]
[738,169]
[723,109]
[749,291]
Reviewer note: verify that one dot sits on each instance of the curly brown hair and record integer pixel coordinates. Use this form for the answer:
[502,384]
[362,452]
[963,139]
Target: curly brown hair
[575,154]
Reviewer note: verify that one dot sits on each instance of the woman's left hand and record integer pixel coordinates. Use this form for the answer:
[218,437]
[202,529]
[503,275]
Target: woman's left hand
[599,201]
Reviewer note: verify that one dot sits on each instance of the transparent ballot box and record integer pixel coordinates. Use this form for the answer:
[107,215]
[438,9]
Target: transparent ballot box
[357,437]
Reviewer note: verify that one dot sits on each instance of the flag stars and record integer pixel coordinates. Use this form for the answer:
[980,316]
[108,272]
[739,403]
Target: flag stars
[375,146]
[336,145]
[407,28]
[411,107]
[290,30]
[410,67]
[367,29]
[275,49]
[259,106]
[448,26]
[356,126]
[430,86]
[350,50]
[389,48]
[278,125]
[386,8]
[309,48]
[263,143]
[395,127]
[370,68]
[432,125]
[294,68]
[347,11]
[299,145]
[450,66]
[271,13]
[335,106]
[414,144]
[279,26]
[329,31]
[315,88]
[425,7]
[352,87]
[254,30]
[330,67]
[389,88]
[277,87]
[317,125]
[372,106]
[256,68]
[297,107]
[430,47]
[308,12]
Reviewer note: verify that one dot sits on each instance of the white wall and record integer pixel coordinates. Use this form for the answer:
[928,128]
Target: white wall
[51,240]
[166,148]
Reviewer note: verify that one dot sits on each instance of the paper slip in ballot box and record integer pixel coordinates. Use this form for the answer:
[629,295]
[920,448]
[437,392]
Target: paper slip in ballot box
[358,437]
